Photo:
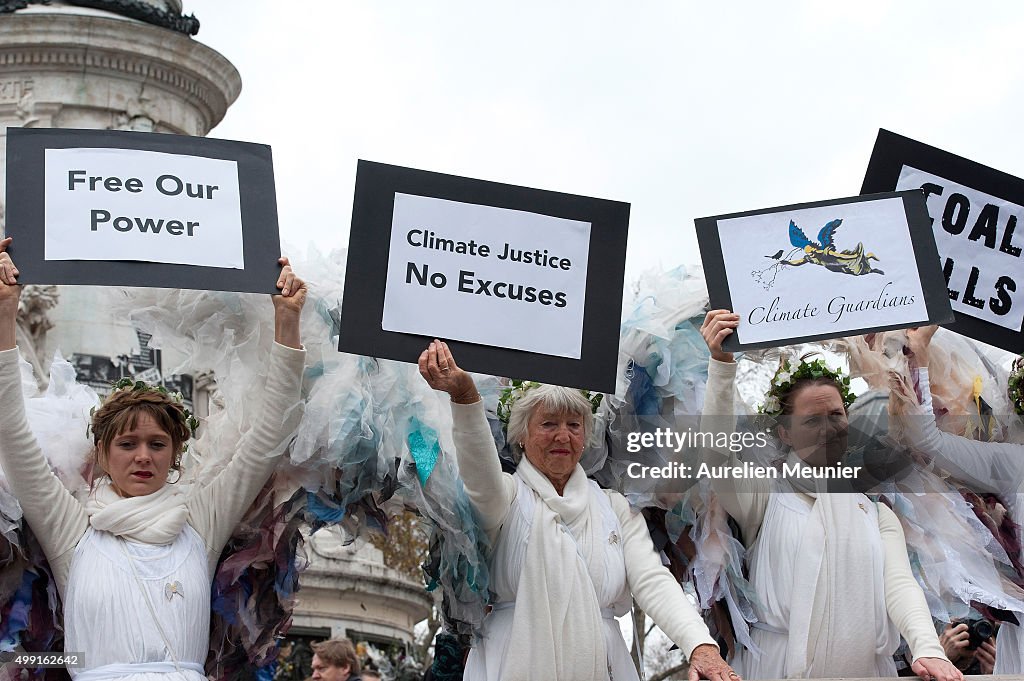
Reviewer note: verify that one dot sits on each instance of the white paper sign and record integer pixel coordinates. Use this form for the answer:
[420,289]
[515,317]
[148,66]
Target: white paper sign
[127,204]
[980,254]
[860,273]
[487,275]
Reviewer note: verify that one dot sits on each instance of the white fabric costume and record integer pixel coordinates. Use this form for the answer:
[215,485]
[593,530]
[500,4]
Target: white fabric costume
[135,574]
[994,467]
[831,601]
[566,584]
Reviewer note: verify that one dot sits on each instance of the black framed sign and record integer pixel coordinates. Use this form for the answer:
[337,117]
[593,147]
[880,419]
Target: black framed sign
[974,211]
[105,207]
[821,270]
[520,282]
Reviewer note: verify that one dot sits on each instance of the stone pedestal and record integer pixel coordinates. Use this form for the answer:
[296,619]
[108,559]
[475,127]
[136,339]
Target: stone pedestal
[349,589]
[69,67]
[65,66]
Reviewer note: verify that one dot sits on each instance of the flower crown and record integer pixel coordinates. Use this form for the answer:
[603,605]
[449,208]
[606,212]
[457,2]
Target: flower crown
[128,383]
[517,389]
[786,377]
[1015,386]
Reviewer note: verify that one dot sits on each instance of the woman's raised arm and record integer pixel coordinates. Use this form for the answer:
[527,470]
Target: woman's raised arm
[216,508]
[55,516]
[489,490]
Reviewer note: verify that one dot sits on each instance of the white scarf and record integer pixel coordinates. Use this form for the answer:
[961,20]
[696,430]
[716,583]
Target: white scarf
[156,518]
[557,630]
[838,623]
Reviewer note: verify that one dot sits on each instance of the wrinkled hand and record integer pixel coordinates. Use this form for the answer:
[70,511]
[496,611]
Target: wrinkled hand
[954,639]
[8,273]
[935,669]
[293,289]
[439,370]
[986,656]
[707,663]
[918,340]
[10,292]
[717,326]
[288,306]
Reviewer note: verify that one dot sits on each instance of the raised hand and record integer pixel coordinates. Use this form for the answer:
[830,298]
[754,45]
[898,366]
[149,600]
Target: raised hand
[288,305]
[439,370]
[918,340]
[10,293]
[717,326]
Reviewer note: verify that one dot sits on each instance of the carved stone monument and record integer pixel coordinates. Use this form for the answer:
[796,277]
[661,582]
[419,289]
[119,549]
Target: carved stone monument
[108,64]
[133,65]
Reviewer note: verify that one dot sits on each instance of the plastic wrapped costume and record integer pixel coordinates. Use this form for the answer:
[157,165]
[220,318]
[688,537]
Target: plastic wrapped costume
[986,467]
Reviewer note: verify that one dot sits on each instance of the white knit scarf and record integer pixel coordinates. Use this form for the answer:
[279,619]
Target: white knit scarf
[156,518]
[838,623]
[557,630]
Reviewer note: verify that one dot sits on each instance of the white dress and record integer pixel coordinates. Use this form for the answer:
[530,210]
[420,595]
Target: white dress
[631,566]
[169,584]
[485,660]
[106,617]
[774,519]
[772,559]
[996,467]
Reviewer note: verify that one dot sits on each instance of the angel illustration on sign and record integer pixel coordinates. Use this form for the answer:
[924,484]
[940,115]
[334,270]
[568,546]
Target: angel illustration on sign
[822,252]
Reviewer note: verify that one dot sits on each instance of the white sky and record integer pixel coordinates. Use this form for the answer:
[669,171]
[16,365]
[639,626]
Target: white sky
[683,109]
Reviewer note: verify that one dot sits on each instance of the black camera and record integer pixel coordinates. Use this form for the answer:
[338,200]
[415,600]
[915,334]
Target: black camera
[979,631]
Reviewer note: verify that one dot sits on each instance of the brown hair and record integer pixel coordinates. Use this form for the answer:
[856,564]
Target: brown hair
[338,652]
[120,413]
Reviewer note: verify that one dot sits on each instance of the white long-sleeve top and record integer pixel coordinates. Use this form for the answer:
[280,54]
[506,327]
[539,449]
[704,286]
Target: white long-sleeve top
[59,520]
[748,502]
[493,495]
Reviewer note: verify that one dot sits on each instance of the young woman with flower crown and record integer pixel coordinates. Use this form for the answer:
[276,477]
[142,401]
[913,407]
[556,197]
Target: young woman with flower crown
[830,570]
[134,562]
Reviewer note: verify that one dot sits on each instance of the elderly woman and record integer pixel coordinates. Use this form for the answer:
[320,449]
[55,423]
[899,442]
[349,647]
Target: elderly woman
[566,554]
[830,570]
[134,563]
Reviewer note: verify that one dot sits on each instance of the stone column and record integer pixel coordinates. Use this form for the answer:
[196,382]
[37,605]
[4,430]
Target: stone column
[66,66]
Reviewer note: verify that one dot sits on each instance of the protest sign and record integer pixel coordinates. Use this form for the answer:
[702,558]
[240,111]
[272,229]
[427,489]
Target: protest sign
[522,282]
[974,211]
[138,209]
[822,270]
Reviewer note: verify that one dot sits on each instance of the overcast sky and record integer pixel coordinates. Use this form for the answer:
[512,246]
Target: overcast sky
[682,109]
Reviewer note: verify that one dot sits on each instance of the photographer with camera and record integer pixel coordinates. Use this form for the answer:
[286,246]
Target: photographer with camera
[970,645]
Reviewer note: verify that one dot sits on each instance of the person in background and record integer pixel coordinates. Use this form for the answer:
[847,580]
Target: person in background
[335,660]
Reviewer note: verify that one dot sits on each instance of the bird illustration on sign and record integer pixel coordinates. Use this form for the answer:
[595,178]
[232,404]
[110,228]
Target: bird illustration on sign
[822,252]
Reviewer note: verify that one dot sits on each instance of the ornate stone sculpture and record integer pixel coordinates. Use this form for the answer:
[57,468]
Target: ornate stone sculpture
[33,323]
[133,9]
